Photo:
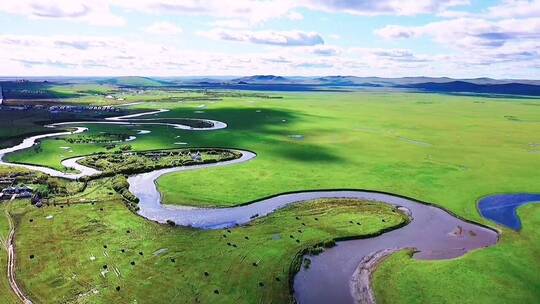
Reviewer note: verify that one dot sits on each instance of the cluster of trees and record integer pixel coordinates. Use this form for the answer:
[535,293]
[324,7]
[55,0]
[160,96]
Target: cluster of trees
[195,123]
[42,191]
[137,162]
[121,186]
[50,186]
[97,139]
[125,148]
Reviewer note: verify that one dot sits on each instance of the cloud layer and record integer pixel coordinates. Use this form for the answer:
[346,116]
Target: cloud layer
[303,37]
[164,28]
[282,38]
[100,12]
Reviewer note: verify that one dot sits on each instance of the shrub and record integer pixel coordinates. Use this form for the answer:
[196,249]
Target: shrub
[316,250]
[329,244]
[125,148]
[121,186]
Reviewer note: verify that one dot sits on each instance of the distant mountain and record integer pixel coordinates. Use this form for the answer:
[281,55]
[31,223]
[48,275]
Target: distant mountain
[134,81]
[392,82]
[468,87]
[481,85]
[206,80]
[328,81]
[337,80]
[263,79]
[344,83]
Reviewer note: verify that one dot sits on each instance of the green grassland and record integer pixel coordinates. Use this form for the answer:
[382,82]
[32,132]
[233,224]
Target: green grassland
[84,89]
[449,150]
[432,147]
[136,89]
[174,260]
[122,97]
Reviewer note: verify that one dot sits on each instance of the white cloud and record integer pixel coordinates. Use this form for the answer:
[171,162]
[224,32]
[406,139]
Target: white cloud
[163,28]
[231,23]
[504,34]
[324,50]
[281,38]
[505,9]
[88,55]
[484,44]
[71,55]
[250,10]
[503,40]
[515,9]
[384,7]
[398,31]
[96,12]
[470,33]
[295,16]
[99,12]
[259,11]
[313,64]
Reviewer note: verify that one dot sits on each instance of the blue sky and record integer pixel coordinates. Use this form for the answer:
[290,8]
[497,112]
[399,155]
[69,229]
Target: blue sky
[388,38]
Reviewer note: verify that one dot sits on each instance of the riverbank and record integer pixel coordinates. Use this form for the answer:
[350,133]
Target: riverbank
[505,273]
[361,280]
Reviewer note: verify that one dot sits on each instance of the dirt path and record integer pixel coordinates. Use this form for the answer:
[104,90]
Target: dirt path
[11,258]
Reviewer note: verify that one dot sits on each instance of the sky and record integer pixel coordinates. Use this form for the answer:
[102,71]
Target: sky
[386,38]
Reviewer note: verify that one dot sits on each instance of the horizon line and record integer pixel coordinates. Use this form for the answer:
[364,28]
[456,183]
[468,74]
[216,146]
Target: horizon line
[253,75]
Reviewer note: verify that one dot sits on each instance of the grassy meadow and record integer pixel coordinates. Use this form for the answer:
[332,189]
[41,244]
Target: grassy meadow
[448,150]
[83,252]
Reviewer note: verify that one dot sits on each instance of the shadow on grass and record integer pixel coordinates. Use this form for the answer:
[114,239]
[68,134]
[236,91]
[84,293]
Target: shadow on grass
[249,129]
[307,153]
[267,131]
[32,90]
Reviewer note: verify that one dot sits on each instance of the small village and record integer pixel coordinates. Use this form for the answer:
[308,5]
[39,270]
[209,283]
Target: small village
[17,191]
[60,109]
[11,186]
[79,109]
[14,187]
